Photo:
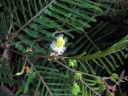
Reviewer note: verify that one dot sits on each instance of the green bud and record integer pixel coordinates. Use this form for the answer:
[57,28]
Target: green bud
[75,89]
[78,76]
[72,62]
[114,75]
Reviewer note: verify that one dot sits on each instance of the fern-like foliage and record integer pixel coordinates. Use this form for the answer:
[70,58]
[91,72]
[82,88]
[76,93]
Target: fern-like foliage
[28,27]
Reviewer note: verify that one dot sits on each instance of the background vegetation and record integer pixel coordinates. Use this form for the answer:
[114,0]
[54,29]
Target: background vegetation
[94,63]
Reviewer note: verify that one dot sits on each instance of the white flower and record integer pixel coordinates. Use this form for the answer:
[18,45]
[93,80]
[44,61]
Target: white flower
[58,46]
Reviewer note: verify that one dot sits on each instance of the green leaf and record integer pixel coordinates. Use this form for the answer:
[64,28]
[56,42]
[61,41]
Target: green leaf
[71,10]
[4,22]
[83,4]
[31,77]
[6,80]
[77,21]
[31,33]
[37,87]
[56,25]
[107,68]
[5,70]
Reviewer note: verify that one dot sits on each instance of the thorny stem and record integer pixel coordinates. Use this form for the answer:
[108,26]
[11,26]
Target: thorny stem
[121,77]
[125,77]
[40,77]
[15,34]
[112,88]
[74,71]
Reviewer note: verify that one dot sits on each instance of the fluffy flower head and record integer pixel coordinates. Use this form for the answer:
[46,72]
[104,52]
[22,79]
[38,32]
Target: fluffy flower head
[58,46]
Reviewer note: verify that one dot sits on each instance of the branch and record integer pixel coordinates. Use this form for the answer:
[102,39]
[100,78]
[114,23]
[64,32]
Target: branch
[109,87]
[15,34]
[74,71]
[40,77]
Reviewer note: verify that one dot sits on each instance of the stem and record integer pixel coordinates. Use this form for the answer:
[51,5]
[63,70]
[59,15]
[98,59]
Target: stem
[40,77]
[15,34]
[90,87]
[74,71]
[23,54]
[91,41]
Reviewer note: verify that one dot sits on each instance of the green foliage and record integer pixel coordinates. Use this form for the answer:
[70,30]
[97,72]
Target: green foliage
[6,73]
[75,89]
[30,26]
[72,63]
[101,85]
[31,77]
[110,94]
[78,76]
[114,75]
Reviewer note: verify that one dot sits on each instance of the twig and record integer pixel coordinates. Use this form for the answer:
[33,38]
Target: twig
[15,34]
[109,87]
[40,77]
[91,40]
[90,87]
[74,71]
[6,52]
[10,28]
[23,54]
